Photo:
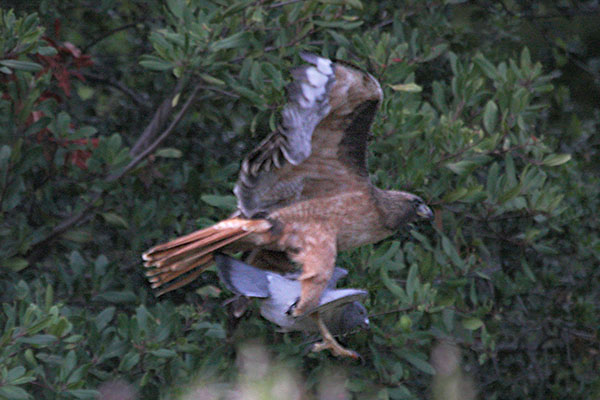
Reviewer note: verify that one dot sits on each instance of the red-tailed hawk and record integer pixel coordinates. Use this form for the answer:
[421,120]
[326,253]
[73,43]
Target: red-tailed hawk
[304,193]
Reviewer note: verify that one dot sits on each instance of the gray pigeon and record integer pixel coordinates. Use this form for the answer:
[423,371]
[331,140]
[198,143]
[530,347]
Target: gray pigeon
[340,309]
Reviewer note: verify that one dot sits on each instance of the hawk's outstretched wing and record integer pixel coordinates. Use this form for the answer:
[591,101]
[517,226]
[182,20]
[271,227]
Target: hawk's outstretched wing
[320,147]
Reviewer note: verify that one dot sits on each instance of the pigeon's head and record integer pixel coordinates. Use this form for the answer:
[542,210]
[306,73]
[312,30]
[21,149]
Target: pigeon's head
[353,316]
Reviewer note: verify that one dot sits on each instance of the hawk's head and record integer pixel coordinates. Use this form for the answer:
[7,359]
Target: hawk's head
[401,208]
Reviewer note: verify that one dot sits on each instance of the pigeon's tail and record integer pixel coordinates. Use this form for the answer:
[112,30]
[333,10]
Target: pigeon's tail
[182,260]
[242,278]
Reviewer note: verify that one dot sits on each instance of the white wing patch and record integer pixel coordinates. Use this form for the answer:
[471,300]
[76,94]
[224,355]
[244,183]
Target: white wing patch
[308,104]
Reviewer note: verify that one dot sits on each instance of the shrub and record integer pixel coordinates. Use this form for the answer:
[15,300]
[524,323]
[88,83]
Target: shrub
[119,134]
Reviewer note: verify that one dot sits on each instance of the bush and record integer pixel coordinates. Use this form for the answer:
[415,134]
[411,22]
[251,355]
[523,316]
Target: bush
[119,133]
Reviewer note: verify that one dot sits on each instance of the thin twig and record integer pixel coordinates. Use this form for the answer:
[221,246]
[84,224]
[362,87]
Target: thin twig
[160,116]
[283,3]
[77,217]
[107,34]
[138,99]
[158,141]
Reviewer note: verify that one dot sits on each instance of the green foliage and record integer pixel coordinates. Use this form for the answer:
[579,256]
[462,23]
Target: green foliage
[475,119]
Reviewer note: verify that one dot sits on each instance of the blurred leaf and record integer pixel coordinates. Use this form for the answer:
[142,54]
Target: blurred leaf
[236,40]
[84,393]
[104,318]
[406,87]
[39,340]
[224,202]
[11,392]
[490,116]
[418,360]
[486,66]
[112,296]
[168,152]
[472,323]
[16,264]
[212,80]
[129,361]
[164,353]
[412,281]
[21,65]
[554,160]
[461,167]
[115,219]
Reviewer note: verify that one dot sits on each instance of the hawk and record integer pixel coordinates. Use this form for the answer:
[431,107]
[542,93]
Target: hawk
[304,193]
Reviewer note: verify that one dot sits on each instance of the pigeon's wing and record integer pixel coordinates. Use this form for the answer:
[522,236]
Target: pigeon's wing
[333,302]
[338,273]
[242,278]
[284,292]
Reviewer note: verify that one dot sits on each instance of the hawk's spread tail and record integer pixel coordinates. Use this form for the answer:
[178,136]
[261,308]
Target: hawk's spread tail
[193,253]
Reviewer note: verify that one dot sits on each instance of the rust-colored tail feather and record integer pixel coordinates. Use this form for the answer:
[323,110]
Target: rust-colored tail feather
[193,253]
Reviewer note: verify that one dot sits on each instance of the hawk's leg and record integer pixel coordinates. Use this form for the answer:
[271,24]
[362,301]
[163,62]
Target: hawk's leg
[318,261]
[329,341]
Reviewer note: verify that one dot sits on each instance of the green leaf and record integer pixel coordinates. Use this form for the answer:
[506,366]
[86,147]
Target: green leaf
[47,51]
[84,393]
[490,116]
[406,87]
[435,52]
[164,353]
[16,264]
[39,340]
[212,80]
[213,330]
[125,296]
[418,361]
[22,65]
[177,7]
[461,167]
[155,64]
[456,194]
[13,393]
[392,286]
[115,219]
[451,252]
[492,179]
[225,202]
[104,318]
[81,235]
[527,270]
[340,24]
[510,194]
[472,324]
[412,281]
[15,373]
[5,152]
[129,361]
[554,160]
[487,67]
[236,40]
[168,152]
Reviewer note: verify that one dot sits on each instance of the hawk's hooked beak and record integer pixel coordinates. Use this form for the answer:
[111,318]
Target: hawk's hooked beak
[424,212]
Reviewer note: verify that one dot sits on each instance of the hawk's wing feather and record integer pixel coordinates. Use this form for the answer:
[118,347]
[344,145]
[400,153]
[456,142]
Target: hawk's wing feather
[321,144]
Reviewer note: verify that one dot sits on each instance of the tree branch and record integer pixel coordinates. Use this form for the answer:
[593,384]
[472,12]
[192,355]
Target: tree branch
[138,158]
[138,99]
[150,131]
[107,34]
[160,116]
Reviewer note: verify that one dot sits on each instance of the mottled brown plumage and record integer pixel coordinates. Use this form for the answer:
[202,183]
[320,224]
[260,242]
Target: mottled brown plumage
[304,193]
